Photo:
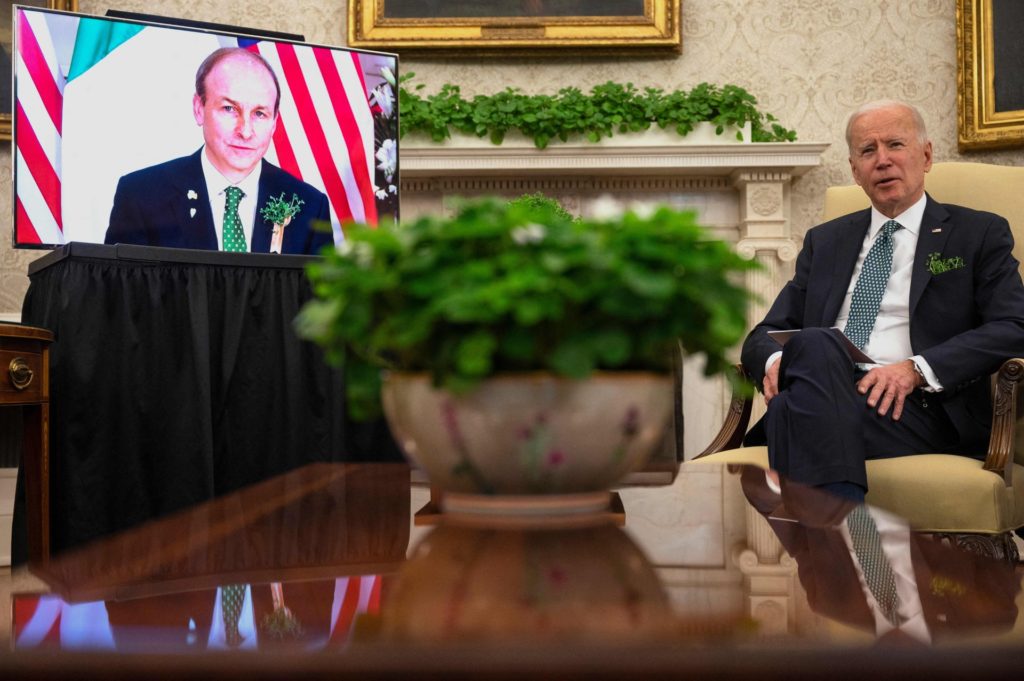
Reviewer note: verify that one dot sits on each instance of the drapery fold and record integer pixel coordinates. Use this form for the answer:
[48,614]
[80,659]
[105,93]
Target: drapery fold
[176,376]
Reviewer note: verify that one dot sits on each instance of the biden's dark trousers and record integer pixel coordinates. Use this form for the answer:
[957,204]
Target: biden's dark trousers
[820,429]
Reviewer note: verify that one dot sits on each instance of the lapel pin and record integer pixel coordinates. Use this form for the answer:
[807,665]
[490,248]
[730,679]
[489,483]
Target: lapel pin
[192,195]
[191,212]
[937,230]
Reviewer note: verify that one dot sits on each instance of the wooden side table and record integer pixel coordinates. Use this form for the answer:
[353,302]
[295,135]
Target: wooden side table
[25,383]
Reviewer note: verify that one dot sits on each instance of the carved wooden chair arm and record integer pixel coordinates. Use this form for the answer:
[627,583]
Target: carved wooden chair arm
[737,418]
[1006,409]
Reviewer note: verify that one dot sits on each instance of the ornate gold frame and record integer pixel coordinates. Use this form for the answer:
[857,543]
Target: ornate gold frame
[658,30]
[5,118]
[980,126]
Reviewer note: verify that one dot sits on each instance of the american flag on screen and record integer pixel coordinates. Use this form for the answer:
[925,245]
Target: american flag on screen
[320,80]
[78,124]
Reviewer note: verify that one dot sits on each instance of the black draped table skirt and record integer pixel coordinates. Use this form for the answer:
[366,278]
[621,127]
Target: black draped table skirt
[176,376]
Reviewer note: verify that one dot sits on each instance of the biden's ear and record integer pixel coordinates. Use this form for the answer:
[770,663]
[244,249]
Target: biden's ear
[855,172]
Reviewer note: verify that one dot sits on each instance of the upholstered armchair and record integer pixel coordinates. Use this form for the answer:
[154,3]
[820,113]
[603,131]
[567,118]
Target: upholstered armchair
[974,504]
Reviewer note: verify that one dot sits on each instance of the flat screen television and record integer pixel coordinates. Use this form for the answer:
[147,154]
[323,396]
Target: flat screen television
[97,98]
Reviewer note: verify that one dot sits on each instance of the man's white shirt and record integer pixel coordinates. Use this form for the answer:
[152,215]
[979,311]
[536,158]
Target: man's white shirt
[889,341]
[215,186]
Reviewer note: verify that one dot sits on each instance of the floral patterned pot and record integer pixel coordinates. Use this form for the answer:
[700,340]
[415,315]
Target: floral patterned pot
[531,433]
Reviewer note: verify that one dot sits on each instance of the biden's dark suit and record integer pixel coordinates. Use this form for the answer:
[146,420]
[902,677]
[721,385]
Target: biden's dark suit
[965,322]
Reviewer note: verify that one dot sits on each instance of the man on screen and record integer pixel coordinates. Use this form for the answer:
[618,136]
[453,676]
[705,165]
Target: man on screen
[219,198]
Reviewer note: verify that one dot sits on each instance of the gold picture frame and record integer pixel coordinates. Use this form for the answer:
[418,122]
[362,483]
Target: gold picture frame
[447,27]
[7,45]
[982,122]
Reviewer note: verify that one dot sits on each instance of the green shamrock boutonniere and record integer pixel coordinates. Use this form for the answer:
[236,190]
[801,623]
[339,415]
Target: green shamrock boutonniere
[937,265]
[282,624]
[280,213]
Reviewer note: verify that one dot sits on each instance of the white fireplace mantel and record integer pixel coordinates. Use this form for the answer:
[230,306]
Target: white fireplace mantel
[717,160]
[741,190]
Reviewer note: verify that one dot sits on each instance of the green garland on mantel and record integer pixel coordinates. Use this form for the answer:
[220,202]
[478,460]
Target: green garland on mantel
[608,109]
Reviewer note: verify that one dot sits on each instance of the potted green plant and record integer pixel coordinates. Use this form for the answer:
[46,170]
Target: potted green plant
[572,115]
[509,322]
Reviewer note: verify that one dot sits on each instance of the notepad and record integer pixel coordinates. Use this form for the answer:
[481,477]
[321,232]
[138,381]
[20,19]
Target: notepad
[856,353]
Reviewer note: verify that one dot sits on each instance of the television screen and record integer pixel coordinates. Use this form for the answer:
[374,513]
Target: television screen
[113,144]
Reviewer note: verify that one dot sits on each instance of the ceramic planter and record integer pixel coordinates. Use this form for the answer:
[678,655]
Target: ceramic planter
[530,434]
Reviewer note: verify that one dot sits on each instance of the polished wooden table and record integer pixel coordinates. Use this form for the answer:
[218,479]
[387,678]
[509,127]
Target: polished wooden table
[25,384]
[333,589]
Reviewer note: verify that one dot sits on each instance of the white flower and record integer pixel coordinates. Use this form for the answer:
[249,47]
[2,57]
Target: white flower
[388,157]
[362,252]
[528,234]
[384,97]
[643,209]
[605,207]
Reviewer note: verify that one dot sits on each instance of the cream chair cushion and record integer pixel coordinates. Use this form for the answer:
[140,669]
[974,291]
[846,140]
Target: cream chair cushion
[934,492]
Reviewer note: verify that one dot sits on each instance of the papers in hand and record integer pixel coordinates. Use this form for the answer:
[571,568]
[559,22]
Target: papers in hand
[856,353]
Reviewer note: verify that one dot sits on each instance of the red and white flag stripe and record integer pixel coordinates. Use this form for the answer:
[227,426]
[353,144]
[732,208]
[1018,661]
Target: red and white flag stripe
[38,115]
[352,596]
[326,101]
[37,621]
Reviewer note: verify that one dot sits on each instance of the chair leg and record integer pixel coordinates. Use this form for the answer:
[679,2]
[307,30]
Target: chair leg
[998,546]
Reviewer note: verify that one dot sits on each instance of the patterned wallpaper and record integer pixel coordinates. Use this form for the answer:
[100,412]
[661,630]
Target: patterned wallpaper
[808,63]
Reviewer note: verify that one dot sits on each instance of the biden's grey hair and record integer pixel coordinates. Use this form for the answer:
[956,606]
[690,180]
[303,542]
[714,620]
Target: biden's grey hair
[922,132]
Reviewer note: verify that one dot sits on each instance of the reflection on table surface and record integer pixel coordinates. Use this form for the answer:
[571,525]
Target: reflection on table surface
[865,567]
[290,562]
[319,560]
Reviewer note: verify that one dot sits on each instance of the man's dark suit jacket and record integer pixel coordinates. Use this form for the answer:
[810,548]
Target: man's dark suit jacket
[152,207]
[965,322]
